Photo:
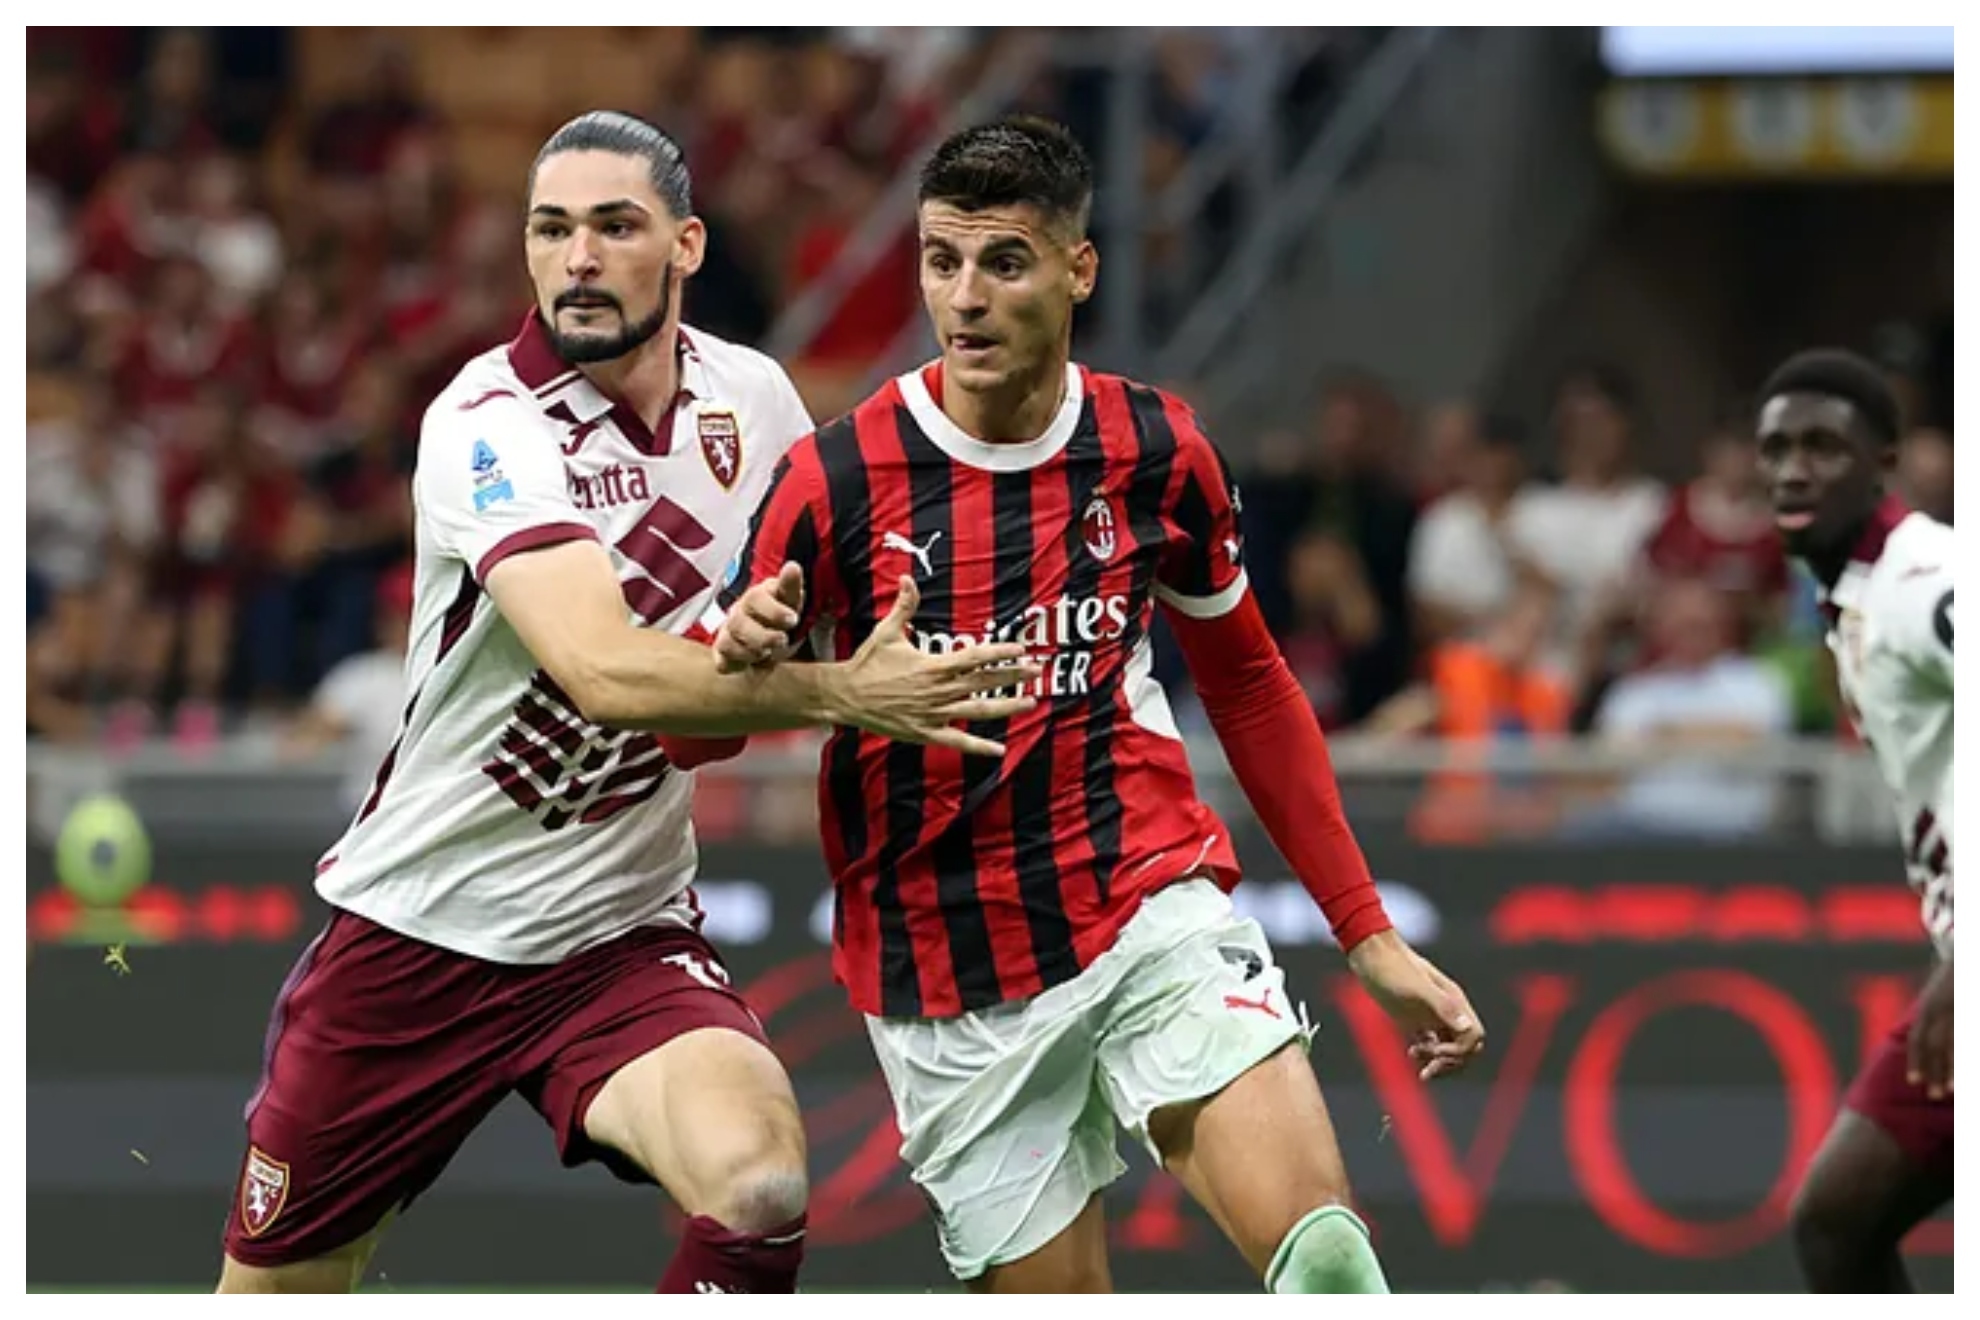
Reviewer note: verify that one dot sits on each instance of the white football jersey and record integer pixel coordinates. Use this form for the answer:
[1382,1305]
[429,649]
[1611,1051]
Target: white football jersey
[502,824]
[1892,635]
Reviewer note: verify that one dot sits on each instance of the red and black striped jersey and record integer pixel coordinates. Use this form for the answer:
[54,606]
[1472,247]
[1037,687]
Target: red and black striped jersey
[962,882]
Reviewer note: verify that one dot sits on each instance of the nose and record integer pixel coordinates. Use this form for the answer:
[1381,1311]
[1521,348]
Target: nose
[967,293]
[580,255]
[1789,470]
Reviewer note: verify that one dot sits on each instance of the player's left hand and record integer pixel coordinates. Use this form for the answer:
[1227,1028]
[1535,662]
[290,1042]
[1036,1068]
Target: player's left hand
[1931,1059]
[757,629]
[1443,1029]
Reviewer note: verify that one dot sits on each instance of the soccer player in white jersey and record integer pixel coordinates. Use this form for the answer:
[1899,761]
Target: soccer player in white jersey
[511,909]
[1829,430]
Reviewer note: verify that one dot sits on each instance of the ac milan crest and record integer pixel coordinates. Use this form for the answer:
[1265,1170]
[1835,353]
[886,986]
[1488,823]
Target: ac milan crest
[264,1191]
[1097,527]
[721,445]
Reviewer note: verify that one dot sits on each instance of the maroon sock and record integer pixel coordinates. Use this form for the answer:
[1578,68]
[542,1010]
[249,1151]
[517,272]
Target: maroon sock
[713,1259]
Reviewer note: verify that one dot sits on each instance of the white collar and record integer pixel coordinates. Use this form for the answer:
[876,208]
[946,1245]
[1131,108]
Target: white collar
[1011,456]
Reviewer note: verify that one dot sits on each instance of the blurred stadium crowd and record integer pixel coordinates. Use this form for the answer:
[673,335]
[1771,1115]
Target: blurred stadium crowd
[249,267]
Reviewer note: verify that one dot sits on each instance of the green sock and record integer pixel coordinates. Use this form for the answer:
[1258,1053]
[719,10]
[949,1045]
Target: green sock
[1326,1252]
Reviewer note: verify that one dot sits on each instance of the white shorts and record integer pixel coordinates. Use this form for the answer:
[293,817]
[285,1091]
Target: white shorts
[1007,1115]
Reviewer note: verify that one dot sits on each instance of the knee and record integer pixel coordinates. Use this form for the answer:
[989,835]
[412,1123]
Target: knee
[762,1194]
[761,1184]
[1825,1232]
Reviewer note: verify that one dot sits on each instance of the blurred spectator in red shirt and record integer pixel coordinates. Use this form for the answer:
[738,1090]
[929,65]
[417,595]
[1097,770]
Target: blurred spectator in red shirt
[227,502]
[179,344]
[311,348]
[1720,531]
[133,221]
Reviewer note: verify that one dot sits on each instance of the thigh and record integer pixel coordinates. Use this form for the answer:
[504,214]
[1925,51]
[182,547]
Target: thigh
[1918,1125]
[1073,1262]
[647,1048]
[1202,1058]
[1886,1164]
[1002,1127]
[1259,1155]
[375,1070]
[1200,1003]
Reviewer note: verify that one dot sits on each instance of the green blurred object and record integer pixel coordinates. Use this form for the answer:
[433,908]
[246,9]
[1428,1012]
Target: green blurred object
[103,855]
[1810,687]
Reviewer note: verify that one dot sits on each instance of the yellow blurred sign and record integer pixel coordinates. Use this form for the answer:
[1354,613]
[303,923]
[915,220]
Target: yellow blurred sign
[1781,127]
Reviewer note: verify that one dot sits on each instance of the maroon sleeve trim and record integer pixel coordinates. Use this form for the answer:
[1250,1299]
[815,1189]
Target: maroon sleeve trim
[531,538]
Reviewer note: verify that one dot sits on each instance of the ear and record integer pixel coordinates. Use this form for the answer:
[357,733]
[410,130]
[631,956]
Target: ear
[690,246]
[1085,270]
[1888,455]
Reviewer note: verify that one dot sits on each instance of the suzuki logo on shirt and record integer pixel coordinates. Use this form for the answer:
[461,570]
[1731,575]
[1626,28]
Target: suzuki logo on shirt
[608,487]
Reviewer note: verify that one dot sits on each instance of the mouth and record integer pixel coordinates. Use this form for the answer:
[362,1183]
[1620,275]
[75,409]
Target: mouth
[972,344]
[586,303]
[1794,517]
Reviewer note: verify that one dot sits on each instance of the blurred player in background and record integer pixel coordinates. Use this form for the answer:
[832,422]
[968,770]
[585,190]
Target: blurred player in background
[1829,437]
[1043,944]
[511,902]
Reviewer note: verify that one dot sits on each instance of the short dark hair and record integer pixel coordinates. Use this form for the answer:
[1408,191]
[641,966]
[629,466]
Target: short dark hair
[1844,375]
[626,135]
[1023,160]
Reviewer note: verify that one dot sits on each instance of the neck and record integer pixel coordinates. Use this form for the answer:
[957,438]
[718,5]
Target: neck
[646,379]
[1828,562]
[1021,410]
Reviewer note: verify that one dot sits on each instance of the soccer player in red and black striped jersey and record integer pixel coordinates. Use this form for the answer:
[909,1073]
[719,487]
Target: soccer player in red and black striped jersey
[1043,944]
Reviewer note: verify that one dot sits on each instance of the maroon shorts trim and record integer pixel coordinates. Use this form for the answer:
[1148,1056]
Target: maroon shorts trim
[1921,1126]
[384,1053]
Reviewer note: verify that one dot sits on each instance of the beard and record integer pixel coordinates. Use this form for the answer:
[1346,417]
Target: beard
[583,348]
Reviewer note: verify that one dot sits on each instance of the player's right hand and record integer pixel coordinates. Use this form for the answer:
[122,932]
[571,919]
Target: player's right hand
[1929,1061]
[757,630]
[891,688]
[1443,1029]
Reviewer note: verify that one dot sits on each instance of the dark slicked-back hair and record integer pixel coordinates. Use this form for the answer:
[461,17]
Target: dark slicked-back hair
[624,135]
[1022,161]
[1840,374]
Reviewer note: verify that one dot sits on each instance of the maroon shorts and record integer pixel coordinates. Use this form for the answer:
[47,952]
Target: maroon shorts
[1921,1126]
[385,1052]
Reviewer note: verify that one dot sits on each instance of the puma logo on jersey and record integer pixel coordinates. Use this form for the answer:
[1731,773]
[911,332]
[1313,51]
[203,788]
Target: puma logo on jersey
[920,553]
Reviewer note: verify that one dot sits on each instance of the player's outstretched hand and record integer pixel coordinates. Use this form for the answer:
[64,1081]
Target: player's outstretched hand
[1444,1031]
[892,689]
[757,630]
[1931,1055]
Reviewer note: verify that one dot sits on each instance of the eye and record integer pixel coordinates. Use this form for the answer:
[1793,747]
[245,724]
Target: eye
[941,263]
[1007,268]
[620,229]
[550,231]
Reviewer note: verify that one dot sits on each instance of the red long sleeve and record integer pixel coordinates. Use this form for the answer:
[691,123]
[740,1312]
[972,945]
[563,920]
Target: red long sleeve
[1267,728]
